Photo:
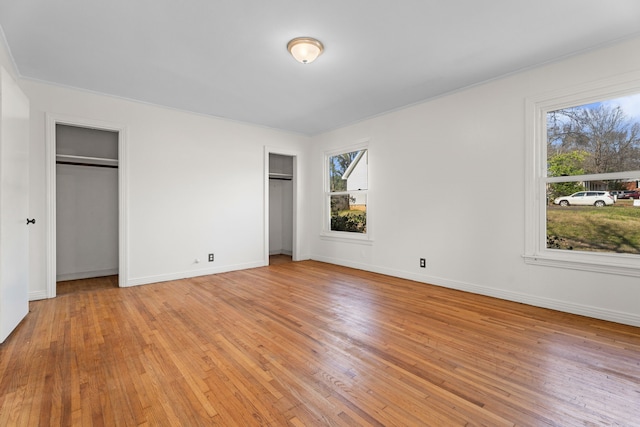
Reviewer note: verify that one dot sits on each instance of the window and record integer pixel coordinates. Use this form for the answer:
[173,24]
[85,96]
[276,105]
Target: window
[583,163]
[347,185]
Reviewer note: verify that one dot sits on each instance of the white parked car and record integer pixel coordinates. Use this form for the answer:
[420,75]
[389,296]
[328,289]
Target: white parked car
[589,198]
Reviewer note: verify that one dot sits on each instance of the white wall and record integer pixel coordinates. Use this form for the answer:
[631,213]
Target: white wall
[195,185]
[464,212]
[280,217]
[87,222]
[187,172]
[5,58]
[275,217]
[287,217]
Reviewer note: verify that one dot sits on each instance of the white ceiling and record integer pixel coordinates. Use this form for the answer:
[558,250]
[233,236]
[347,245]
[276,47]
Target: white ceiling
[228,58]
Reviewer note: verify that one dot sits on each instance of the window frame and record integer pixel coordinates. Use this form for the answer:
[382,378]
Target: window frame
[536,109]
[345,236]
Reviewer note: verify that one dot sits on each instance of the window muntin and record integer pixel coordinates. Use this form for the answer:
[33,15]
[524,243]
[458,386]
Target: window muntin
[347,192]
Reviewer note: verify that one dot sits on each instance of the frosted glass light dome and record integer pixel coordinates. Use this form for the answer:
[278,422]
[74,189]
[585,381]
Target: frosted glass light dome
[305,49]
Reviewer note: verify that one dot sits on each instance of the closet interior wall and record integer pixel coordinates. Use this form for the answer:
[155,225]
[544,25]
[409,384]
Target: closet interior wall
[280,204]
[86,203]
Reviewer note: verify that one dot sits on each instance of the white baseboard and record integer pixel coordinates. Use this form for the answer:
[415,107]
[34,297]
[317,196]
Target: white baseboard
[564,306]
[302,257]
[281,252]
[194,273]
[37,295]
[87,274]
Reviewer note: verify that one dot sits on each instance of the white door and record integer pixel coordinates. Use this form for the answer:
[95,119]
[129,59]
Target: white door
[14,203]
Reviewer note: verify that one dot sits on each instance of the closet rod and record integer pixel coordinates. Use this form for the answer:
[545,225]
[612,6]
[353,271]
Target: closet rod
[280,176]
[100,162]
[59,162]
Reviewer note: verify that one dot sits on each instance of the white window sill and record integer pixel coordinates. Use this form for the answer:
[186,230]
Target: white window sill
[600,263]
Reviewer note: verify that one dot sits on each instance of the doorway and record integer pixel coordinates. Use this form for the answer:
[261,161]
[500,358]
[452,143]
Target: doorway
[280,206]
[281,198]
[86,204]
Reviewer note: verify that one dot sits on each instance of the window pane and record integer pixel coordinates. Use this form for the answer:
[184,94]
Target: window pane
[349,212]
[576,222]
[601,137]
[348,171]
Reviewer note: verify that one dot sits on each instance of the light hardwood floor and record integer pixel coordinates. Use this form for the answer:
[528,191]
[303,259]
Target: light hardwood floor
[308,343]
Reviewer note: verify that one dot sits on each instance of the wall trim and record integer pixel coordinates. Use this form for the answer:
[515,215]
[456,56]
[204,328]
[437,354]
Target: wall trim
[281,252]
[552,304]
[87,274]
[146,280]
[37,295]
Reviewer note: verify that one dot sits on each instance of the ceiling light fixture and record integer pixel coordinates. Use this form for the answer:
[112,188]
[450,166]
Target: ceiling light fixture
[305,49]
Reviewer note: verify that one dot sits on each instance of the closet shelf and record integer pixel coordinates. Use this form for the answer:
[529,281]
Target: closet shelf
[69,159]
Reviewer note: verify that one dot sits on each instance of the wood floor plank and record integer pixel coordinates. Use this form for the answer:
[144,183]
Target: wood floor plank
[309,343]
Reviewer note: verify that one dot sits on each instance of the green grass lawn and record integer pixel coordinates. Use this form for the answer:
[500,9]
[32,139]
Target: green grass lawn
[613,228]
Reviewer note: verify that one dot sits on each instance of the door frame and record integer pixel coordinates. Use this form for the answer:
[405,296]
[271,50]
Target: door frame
[295,249]
[50,158]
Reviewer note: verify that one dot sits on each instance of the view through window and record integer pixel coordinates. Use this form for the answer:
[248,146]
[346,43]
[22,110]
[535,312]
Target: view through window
[593,177]
[347,195]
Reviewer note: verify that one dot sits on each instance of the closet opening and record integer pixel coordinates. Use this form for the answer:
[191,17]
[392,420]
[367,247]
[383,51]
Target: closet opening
[86,208]
[281,212]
